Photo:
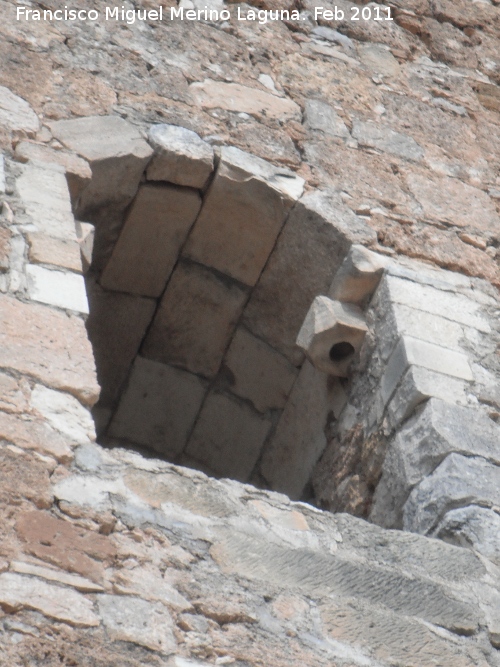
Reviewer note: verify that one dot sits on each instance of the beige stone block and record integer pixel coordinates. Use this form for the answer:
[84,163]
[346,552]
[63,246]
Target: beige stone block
[332,334]
[85,233]
[358,276]
[35,435]
[45,196]
[158,407]
[181,157]
[242,214]
[58,252]
[235,97]
[228,437]
[194,321]
[258,373]
[117,155]
[116,326]
[48,346]
[78,172]
[156,227]
[62,604]
[299,440]
[59,576]
[314,241]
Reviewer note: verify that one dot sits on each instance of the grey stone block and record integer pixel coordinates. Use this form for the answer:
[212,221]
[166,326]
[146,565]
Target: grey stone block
[299,439]
[375,135]
[419,384]
[439,429]
[228,437]
[242,214]
[477,528]
[319,115]
[158,407]
[156,226]
[313,243]
[195,320]
[455,307]
[181,156]
[457,482]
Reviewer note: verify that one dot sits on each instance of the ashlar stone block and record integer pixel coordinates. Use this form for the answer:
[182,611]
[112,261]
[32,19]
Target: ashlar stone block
[181,156]
[300,438]
[477,528]
[195,320]
[158,407]
[58,252]
[228,437]
[310,249]
[257,372]
[358,276]
[155,228]
[332,334]
[458,481]
[116,326]
[242,214]
[117,155]
[437,430]
[57,288]
[419,384]
[45,197]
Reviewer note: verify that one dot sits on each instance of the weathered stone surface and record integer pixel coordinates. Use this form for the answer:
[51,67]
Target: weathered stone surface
[85,233]
[318,233]
[62,604]
[452,202]
[67,546]
[5,247]
[419,384]
[439,429]
[117,155]
[23,477]
[155,228]
[181,157]
[257,372]
[35,435]
[319,115]
[194,321]
[59,576]
[116,327]
[390,637]
[2,174]
[413,352]
[45,197]
[242,214]
[13,394]
[379,59]
[383,138]
[358,276]
[16,114]
[58,252]
[135,620]
[57,288]
[149,585]
[64,413]
[429,299]
[299,439]
[323,574]
[78,172]
[49,346]
[235,97]
[477,528]
[457,481]
[228,437]
[158,407]
[332,334]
